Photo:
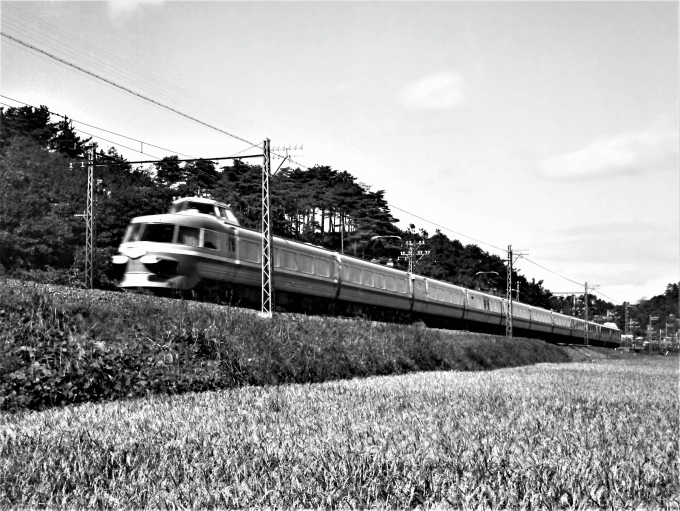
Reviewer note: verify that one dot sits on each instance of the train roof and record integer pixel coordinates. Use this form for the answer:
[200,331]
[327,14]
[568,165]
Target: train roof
[203,206]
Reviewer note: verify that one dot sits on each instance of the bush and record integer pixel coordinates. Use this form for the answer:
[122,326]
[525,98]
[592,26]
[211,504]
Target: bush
[64,345]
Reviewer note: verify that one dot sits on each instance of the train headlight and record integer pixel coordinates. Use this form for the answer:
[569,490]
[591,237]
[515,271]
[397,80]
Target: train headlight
[159,265]
[119,259]
[150,259]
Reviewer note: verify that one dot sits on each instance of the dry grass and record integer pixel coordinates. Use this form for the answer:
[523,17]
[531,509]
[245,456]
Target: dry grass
[562,436]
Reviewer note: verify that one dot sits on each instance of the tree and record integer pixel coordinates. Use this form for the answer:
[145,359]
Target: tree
[66,142]
[169,172]
[200,177]
[36,225]
[26,121]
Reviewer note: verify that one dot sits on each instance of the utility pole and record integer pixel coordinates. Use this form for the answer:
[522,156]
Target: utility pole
[90,237]
[267,277]
[586,308]
[649,331]
[412,254]
[508,288]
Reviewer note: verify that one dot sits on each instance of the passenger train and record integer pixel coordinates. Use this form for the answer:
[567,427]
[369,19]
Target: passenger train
[199,245]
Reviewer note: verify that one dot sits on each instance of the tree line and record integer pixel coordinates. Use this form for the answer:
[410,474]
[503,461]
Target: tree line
[43,189]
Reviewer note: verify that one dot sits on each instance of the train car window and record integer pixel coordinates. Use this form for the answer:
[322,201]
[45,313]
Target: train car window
[305,263]
[211,239]
[288,259]
[448,298]
[458,298]
[379,281]
[401,286]
[230,216]
[159,233]
[440,295]
[520,312]
[251,251]
[486,304]
[322,267]
[352,274]
[188,236]
[367,278]
[390,283]
[131,233]
[206,209]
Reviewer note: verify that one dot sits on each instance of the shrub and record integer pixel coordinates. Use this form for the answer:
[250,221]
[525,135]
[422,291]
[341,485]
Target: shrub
[63,345]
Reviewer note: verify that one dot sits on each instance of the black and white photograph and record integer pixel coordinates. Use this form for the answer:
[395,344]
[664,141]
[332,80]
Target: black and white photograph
[339,254]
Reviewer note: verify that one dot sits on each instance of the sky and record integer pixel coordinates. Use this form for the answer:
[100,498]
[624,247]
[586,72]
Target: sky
[548,126]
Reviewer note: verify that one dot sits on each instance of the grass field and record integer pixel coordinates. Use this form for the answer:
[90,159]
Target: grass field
[61,346]
[564,436]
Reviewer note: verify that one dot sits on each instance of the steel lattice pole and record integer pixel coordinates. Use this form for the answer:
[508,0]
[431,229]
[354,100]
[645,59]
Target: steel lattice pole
[267,293]
[585,316]
[508,319]
[89,220]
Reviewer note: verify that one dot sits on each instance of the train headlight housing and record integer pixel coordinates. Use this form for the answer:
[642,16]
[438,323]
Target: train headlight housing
[159,265]
[132,252]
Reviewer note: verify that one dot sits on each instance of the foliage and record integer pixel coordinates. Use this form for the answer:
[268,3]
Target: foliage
[62,345]
[597,435]
[663,307]
[321,205]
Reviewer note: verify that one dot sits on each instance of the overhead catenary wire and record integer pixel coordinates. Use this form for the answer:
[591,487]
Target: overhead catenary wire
[75,48]
[192,158]
[101,129]
[174,110]
[123,88]
[447,229]
[129,91]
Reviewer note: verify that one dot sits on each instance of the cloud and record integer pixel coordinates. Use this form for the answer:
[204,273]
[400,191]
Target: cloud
[626,154]
[437,91]
[120,11]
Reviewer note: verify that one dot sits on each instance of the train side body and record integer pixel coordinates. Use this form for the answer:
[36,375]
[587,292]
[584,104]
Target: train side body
[185,248]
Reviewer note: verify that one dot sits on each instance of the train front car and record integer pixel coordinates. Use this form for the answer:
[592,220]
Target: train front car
[164,252]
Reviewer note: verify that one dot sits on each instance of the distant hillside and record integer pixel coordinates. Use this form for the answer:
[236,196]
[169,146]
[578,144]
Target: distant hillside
[665,307]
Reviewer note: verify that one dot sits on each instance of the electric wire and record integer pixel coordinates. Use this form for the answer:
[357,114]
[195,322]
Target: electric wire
[123,88]
[71,65]
[101,129]
[109,82]
[447,229]
[554,273]
[97,57]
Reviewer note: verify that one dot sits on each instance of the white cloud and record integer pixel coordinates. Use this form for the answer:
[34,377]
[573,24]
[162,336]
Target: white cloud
[120,11]
[626,154]
[437,91]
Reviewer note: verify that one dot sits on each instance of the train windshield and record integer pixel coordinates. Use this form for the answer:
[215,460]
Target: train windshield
[217,210]
[159,233]
[131,233]
[196,207]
